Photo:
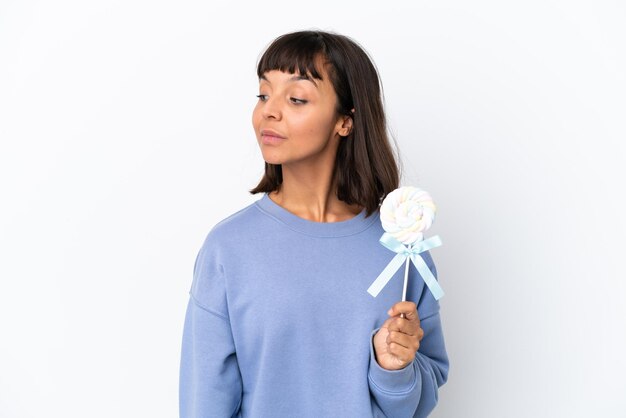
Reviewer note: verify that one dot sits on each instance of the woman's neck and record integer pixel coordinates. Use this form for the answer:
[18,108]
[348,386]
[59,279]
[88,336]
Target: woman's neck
[312,195]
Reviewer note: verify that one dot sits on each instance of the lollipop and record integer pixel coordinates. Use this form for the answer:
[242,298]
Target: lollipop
[405,214]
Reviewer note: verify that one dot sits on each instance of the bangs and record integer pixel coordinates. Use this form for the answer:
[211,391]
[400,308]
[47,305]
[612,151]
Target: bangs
[293,53]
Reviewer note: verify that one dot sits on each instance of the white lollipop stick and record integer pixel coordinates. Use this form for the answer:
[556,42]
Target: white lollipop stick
[406,281]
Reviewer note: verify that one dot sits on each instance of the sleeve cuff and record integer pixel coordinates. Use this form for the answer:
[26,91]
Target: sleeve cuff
[396,381]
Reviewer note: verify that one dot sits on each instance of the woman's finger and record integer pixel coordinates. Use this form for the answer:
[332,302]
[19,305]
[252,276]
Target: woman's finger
[407,308]
[406,341]
[403,325]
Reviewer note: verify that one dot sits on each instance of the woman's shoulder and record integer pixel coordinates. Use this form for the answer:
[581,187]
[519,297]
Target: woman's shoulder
[235,224]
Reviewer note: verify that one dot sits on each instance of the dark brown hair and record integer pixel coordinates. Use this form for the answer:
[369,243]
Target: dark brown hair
[366,169]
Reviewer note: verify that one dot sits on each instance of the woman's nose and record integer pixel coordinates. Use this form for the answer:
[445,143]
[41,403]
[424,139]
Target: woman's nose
[271,109]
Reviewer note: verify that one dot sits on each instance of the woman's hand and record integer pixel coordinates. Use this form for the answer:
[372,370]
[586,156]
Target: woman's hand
[398,339]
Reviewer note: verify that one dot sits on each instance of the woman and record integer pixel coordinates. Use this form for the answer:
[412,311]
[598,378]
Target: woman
[279,323]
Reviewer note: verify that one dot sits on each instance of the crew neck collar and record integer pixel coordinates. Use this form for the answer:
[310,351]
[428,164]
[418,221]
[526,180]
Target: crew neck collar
[350,226]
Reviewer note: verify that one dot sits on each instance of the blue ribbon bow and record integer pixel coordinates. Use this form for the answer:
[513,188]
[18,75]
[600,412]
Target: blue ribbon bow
[413,252]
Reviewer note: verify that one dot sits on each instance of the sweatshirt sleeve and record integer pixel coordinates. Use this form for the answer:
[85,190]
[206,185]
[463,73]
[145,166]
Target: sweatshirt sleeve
[209,382]
[412,392]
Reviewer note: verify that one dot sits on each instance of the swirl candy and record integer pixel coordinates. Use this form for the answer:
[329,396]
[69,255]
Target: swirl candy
[405,214]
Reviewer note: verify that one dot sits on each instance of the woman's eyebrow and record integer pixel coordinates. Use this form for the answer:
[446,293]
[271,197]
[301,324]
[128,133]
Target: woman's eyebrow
[294,78]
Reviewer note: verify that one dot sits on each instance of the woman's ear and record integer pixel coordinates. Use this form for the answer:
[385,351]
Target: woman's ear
[346,125]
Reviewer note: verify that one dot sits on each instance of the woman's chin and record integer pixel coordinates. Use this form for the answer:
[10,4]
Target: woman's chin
[272,159]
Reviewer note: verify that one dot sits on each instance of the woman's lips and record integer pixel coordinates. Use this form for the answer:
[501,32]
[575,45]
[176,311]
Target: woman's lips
[271,138]
[271,132]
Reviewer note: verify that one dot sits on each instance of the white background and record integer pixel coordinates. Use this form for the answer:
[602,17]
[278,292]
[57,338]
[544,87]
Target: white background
[126,135]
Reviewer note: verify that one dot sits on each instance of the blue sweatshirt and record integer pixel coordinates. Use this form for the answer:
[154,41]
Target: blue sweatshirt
[279,322]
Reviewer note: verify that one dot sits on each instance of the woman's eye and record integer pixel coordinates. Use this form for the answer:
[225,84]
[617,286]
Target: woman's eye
[298,101]
[262,97]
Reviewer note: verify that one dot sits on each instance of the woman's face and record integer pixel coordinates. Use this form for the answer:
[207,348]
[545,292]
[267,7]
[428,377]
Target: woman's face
[295,118]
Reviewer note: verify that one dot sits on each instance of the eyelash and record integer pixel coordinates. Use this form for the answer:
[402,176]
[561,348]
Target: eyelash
[297,101]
